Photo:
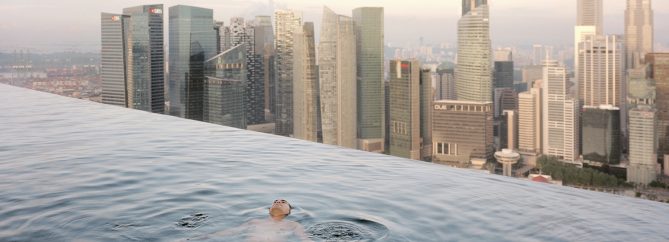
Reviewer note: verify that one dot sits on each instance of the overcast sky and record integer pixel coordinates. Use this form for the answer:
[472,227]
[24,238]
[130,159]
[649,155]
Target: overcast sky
[55,25]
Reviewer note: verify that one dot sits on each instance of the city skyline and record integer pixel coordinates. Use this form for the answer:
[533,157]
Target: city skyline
[71,28]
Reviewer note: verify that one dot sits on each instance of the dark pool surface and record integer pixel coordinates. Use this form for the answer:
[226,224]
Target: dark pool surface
[72,170]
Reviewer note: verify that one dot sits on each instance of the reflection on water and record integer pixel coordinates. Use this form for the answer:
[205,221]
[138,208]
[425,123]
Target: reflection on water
[76,170]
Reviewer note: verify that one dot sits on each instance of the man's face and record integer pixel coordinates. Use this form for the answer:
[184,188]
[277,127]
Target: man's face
[279,207]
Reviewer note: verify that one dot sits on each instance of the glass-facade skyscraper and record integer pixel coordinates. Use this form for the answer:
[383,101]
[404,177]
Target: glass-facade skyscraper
[113,59]
[287,22]
[638,32]
[405,126]
[192,41]
[224,88]
[146,58]
[600,134]
[338,80]
[473,73]
[369,28]
[305,85]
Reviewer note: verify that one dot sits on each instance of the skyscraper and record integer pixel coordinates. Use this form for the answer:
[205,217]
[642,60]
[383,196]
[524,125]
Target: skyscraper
[530,126]
[287,22]
[426,100]
[643,145]
[369,27]
[659,72]
[405,109]
[503,71]
[473,73]
[337,77]
[305,84]
[145,60]
[600,139]
[113,59]
[192,42]
[264,41]
[638,32]
[560,117]
[600,71]
[224,88]
[589,13]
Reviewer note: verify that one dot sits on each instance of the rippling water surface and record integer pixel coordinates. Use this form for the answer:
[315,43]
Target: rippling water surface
[76,170]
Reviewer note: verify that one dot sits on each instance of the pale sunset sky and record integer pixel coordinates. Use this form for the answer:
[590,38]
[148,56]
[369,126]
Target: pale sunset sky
[55,25]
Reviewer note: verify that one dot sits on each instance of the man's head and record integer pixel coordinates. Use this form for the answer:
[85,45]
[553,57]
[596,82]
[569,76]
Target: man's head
[280,207]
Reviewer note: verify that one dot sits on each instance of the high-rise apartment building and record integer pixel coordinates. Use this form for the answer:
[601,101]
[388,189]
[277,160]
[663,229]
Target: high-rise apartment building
[473,73]
[224,88]
[305,84]
[146,64]
[462,132]
[600,71]
[638,32]
[114,58]
[590,13]
[600,134]
[287,23]
[369,30]
[338,80]
[560,115]
[643,151]
[192,42]
[405,109]
[659,72]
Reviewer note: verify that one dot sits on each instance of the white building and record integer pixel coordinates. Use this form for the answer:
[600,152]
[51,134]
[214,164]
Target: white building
[560,117]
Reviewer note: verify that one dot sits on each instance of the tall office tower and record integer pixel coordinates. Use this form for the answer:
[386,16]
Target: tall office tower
[638,32]
[255,86]
[473,73]
[237,31]
[643,145]
[405,109]
[560,117]
[337,77]
[580,33]
[192,42]
[503,76]
[530,129]
[426,99]
[462,132]
[503,54]
[445,84]
[600,139]
[226,38]
[264,41]
[305,84]
[504,99]
[369,28]
[659,72]
[224,88]
[145,58]
[600,71]
[113,59]
[287,22]
[589,13]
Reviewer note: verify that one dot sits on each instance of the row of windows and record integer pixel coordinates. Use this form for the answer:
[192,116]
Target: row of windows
[446,148]
[400,127]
